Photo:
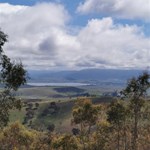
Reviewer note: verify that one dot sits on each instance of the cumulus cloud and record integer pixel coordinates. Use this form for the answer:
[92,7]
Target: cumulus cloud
[5,7]
[34,31]
[114,45]
[129,9]
[40,36]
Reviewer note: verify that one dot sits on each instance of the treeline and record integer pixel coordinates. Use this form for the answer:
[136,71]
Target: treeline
[120,125]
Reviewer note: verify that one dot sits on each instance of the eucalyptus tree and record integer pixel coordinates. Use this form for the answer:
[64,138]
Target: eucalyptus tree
[118,114]
[12,76]
[86,115]
[135,91]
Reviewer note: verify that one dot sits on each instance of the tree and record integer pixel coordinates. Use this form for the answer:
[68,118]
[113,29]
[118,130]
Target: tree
[136,91]
[51,127]
[12,76]
[66,142]
[117,116]
[102,136]
[85,114]
[17,137]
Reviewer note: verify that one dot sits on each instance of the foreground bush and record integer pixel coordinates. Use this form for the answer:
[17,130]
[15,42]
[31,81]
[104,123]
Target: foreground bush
[16,136]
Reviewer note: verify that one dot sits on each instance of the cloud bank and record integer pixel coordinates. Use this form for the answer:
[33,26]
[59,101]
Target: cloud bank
[42,38]
[128,9]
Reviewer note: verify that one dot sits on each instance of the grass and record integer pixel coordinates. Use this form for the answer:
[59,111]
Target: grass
[17,115]
[48,92]
[61,119]
[44,96]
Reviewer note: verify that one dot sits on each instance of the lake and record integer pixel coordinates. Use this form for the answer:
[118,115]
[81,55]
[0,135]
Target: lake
[58,84]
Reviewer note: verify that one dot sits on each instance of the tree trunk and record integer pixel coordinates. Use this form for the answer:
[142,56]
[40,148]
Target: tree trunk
[118,141]
[125,136]
[135,130]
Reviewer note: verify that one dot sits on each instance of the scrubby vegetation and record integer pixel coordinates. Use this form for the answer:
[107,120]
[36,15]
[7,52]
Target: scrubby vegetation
[94,127]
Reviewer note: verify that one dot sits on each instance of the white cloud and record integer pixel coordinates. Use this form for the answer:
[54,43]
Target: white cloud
[106,44]
[129,9]
[41,37]
[29,27]
[5,7]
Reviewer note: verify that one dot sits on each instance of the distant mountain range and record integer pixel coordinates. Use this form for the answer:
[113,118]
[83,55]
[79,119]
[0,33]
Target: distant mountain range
[85,76]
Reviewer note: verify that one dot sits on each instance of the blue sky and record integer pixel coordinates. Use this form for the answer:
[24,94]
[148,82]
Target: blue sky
[81,20]
[77,34]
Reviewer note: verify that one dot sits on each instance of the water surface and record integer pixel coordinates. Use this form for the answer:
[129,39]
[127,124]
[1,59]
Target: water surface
[58,84]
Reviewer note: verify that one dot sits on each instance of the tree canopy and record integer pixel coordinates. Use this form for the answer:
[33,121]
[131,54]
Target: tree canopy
[12,76]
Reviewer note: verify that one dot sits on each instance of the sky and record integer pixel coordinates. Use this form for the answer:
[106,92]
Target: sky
[77,34]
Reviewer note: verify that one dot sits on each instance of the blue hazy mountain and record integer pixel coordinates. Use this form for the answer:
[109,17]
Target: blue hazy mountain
[87,75]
